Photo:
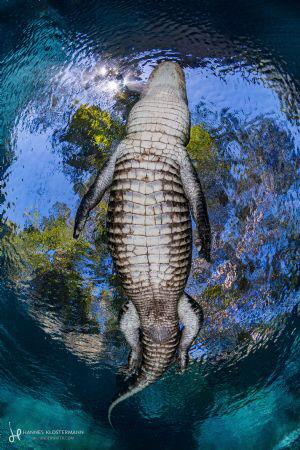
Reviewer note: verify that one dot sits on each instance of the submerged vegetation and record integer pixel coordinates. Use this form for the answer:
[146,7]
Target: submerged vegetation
[201,146]
[64,297]
[51,244]
[52,259]
[92,131]
[49,256]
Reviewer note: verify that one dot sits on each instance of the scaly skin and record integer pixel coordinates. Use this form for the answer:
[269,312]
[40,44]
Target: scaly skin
[149,229]
[152,188]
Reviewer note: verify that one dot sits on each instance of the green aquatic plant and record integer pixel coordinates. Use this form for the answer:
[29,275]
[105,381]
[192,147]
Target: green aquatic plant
[94,124]
[201,147]
[51,244]
[52,264]
[94,131]
[212,292]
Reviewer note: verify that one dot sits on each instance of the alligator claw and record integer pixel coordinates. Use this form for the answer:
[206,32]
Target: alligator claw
[203,250]
[127,372]
[203,243]
[182,361]
[76,234]
[123,370]
[77,230]
[132,367]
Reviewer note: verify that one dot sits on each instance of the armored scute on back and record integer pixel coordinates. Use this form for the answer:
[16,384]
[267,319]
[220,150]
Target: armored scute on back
[153,187]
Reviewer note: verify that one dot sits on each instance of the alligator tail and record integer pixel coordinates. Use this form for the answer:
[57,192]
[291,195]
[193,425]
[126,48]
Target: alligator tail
[156,358]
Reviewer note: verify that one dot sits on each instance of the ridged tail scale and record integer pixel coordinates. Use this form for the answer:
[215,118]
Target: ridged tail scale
[156,358]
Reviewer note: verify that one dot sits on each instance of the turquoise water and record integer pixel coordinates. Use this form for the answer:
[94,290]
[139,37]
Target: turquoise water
[60,344]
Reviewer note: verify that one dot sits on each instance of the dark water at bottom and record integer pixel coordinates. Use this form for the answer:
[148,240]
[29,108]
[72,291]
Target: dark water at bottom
[60,346]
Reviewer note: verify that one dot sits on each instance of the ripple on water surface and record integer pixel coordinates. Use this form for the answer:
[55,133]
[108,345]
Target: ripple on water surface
[60,299]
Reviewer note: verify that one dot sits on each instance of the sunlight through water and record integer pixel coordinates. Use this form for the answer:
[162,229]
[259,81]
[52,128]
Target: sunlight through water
[71,73]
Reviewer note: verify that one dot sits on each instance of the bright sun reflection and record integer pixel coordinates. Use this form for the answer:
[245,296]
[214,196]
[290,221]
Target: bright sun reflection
[112,85]
[103,70]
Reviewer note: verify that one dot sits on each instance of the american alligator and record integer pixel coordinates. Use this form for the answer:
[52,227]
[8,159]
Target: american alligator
[153,187]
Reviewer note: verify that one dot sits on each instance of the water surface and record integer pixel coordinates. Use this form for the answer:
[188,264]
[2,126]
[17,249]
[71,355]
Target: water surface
[60,343]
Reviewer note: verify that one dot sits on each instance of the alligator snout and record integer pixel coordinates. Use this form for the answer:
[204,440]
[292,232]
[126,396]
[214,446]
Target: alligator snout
[167,75]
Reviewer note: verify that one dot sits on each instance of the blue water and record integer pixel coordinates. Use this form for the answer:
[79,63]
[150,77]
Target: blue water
[60,344]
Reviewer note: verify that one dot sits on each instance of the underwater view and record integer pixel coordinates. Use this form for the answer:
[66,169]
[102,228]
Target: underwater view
[71,72]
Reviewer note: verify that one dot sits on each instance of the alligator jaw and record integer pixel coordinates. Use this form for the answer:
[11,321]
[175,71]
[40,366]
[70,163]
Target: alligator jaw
[167,75]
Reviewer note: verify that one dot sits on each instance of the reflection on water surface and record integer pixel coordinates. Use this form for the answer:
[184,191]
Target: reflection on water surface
[65,108]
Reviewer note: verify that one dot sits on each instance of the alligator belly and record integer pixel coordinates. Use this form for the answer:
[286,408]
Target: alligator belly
[149,231]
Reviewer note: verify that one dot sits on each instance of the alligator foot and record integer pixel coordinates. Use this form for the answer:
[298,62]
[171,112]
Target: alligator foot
[182,361]
[191,316]
[126,372]
[123,370]
[130,326]
[134,362]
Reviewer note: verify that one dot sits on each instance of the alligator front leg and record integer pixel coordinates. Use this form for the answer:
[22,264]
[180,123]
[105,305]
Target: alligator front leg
[191,316]
[193,191]
[130,326]
[94,194]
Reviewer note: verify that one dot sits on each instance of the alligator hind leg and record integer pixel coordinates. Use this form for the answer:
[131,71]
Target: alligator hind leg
[130,326]
[191,316]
